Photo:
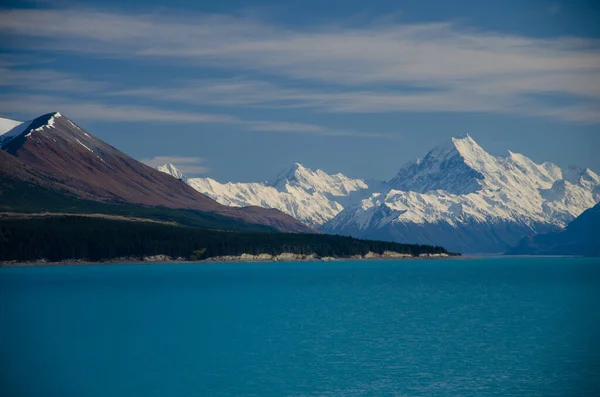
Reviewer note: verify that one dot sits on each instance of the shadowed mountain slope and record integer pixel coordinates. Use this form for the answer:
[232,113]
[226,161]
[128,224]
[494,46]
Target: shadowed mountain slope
[54,152]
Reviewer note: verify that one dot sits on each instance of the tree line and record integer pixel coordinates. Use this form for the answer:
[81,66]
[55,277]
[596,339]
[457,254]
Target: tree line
[96,239]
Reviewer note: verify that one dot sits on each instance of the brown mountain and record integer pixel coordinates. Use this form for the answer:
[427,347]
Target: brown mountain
[56,153]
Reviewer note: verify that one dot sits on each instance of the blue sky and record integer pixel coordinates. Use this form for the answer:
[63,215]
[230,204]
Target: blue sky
[238,90]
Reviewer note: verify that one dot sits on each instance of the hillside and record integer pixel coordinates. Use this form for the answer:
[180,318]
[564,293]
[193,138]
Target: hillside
[57,154]
[580,237]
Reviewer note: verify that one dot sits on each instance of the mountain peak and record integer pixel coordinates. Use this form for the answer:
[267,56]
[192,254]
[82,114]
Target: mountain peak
[25,129]
[289,174]
[468,148]
[45,121]
[170,169]
[464,146]
[581,176]
[464,137]
[455,166]
[573,173]
[67,159]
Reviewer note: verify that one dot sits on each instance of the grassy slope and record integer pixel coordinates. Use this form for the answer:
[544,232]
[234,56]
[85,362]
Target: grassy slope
[20,196]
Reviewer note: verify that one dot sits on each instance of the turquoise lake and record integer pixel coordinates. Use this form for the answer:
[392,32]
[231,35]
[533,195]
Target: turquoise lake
[479,327]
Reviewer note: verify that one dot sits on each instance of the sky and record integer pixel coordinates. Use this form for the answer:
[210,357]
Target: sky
[239,90]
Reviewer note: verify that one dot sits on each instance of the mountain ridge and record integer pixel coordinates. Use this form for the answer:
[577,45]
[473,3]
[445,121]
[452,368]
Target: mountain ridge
[457,189]
[313,197]
[55,147]
[580,237]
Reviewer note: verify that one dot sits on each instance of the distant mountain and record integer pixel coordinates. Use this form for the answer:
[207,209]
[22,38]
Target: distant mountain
[54,152]
[171,170]
[7,125]
[580,237]
[11,128]
[458,196]
[314,197]
[461,197]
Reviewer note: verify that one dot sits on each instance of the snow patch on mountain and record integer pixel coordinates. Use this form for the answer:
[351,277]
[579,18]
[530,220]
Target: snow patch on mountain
[48,124]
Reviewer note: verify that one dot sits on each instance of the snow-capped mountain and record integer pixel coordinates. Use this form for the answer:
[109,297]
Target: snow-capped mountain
[465,199]
[314,197]
[56,153]
[171,170]
[458,196]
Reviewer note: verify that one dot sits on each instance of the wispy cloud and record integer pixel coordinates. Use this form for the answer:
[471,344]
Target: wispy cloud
[515,95]
[388,52]
[187,165]
[47,80]
[370,67]
[36,104]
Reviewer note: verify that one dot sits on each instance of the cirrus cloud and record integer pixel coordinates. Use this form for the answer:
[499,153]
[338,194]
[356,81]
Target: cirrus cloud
[187,165]
[364,68]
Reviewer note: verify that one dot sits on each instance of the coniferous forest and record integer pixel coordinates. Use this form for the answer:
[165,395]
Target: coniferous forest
[96,239]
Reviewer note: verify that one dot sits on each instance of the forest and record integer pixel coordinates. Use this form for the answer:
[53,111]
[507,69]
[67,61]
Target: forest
[60,238]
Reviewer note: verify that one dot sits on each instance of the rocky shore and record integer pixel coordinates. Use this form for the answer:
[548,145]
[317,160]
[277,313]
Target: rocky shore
[283,257]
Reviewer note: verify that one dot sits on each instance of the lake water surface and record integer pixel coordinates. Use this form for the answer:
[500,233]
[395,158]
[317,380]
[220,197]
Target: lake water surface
[485,327]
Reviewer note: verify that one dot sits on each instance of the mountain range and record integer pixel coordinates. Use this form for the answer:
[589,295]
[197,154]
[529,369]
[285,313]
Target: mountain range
[457,195]
[52,158]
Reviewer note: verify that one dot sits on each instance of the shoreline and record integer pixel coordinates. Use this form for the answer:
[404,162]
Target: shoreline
[238,259]
[244,258]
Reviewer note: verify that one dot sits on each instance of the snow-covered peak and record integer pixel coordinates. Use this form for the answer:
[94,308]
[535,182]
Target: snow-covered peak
[589,175]
[9,129]
[581,176]
[318,181]
[7,125]
[588,179]
[170,169]
[459,183]
[292,174]
[464,146]
[313,197]
[44,122]
[543,175]
[462,166]
[455,166]
[573,173]
[474,155]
